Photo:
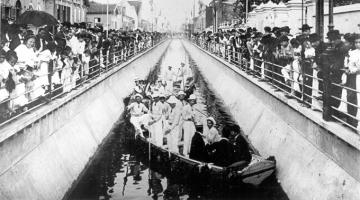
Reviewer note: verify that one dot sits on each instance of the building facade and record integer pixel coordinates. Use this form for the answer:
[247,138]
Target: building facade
[73,11]
[117,17]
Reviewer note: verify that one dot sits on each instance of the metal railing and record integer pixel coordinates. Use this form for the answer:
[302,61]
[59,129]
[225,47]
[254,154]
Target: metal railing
[39,90]
[297,81]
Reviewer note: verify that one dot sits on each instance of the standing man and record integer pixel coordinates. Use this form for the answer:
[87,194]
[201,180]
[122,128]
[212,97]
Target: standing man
[137,110]
[174,126]
[169,78]
[156,125]
[188,126]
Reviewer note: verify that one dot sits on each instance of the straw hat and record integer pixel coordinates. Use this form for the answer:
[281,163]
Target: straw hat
[181,93]
[138,95]
[192,97]
[211,119]
[172,99]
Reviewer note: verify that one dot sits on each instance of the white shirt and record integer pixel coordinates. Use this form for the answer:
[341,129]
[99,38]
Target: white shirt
[169,75]
[174,117]
[4,71]
[26,56]
[354,60]
[137,109]
[188,112]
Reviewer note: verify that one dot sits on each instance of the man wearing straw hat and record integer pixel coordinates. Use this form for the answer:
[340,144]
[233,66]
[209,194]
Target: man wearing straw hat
[169,79]
[156,125]
[137,110]
[188,126]
[173,125]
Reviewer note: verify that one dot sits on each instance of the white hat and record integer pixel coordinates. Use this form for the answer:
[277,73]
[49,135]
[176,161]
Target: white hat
[211,119]
[172,99]
[137,79]
[161,94]
[192,97]
[181,93]
[155,94]
[138,95]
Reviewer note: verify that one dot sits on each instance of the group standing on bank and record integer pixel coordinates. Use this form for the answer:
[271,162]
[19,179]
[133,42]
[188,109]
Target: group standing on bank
[296,64]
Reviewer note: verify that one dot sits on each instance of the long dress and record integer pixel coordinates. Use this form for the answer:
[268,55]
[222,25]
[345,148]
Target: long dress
[42,81]
[156,128]
[354,67]
[27,57]
[188,127]
[66,75]
[174,126]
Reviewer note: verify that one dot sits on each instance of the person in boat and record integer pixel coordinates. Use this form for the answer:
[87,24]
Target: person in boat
[138,89]
[155,123]
[181,98]
[241,146]
[198,149]
[210,133]
[137,111]
[182,74]
[173,125]
[188,117]
[160,87]
[169,78]
[166,108]
[221,152]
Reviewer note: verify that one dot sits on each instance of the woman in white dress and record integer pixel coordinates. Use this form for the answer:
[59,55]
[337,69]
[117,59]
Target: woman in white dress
[174,126]
[27,63]
[47,55]
[66,73]
[354,68]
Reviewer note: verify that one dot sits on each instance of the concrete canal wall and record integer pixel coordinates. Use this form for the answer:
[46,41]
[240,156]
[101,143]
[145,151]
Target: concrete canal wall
[44,152]
[316,160]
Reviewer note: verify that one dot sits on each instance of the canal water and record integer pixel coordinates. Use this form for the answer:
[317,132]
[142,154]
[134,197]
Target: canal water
[117,173]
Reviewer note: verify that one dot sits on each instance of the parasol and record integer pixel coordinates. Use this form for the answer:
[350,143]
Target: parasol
[36,18]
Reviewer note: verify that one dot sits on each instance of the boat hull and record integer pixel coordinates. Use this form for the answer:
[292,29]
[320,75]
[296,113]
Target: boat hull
[185,170]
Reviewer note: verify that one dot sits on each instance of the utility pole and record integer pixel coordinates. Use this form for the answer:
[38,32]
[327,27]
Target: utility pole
[107,18]
[246,11]
[331,15]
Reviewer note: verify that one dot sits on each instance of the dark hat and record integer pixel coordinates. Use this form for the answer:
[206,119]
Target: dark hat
[283,38]
[275,29]
[257,35]
[350,37]
[2,53]
[233,30]
[267,29]
[267,39]
[285,29]
[254,29]
[333,35]
[314,37]
[305,27]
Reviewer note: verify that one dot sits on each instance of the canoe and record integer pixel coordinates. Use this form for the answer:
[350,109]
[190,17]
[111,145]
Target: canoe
[173,164]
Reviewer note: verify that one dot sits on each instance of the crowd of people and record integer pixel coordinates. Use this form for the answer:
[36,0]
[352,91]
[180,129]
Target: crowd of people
[168,109]
[296,64]
[37,63]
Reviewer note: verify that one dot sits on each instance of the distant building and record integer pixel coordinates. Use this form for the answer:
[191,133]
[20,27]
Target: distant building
[73,11]
[118,18]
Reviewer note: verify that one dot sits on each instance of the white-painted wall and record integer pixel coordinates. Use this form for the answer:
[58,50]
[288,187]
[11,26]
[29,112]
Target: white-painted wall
[289,14]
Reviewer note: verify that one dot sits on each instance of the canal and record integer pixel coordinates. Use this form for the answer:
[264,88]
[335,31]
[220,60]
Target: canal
[117,173]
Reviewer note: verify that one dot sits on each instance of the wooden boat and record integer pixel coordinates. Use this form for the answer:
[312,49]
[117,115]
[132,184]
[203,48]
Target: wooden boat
[175,165]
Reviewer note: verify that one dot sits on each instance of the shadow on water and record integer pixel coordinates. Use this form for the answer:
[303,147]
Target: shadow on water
[117,173]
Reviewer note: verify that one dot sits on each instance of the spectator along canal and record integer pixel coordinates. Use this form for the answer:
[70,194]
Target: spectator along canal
[119,172]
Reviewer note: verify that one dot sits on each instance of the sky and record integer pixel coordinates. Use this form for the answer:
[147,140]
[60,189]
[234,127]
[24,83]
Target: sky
[175,11]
